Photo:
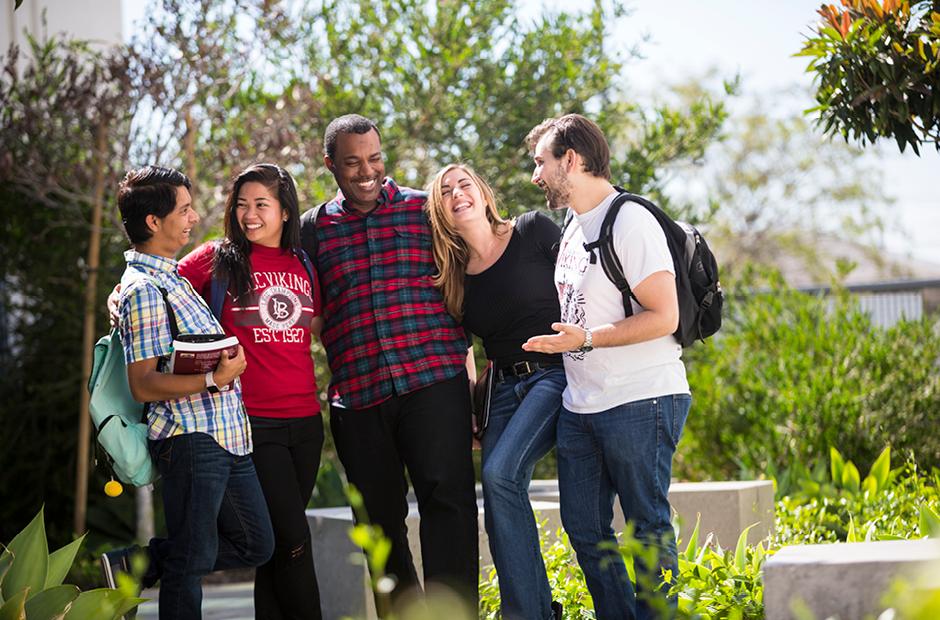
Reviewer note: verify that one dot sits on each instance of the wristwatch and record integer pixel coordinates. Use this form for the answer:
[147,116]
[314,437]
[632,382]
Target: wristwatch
[211,386]
[588,341]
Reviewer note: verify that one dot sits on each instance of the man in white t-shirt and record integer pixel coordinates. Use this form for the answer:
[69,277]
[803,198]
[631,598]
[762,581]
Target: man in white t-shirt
[627,396]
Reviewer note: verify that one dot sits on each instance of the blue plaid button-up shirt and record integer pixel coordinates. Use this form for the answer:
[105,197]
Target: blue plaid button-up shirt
[145,333]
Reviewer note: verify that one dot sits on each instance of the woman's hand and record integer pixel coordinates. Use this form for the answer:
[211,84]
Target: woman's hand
[114,305]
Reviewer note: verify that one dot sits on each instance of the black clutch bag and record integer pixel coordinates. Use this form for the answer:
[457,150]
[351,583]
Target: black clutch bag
[482,395]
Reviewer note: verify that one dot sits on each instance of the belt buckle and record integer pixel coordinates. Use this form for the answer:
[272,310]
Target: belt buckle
[523,368]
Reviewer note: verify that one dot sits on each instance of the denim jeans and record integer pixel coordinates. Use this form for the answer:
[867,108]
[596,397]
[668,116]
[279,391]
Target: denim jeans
[521,430]
[216,519]
[625,451]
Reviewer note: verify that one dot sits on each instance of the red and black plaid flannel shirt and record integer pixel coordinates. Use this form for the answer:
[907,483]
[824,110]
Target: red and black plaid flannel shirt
[386,328]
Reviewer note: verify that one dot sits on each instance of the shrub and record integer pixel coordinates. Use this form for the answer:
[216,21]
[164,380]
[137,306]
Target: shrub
[886,505]
[791,374]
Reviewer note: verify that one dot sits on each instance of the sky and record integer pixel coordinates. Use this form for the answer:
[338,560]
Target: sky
[755,39]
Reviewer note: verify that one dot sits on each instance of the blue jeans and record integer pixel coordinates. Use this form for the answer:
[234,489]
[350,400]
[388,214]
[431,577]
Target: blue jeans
[216,519]
[521,430]
[625,451]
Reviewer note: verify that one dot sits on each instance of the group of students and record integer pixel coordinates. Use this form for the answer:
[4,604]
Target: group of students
[393,281]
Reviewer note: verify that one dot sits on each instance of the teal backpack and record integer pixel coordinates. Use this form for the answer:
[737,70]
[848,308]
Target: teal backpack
[118,418]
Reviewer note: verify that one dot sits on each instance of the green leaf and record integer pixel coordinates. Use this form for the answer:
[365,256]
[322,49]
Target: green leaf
[870,486]
[881,468]
[850,479]
[692,547]
[101,604]
[52,603]
[740,550]
[929,521]
[60,561]
[851,536]
[14,608]
[31,562]
[360,535]
[17,4]
[836,465]
[6,559]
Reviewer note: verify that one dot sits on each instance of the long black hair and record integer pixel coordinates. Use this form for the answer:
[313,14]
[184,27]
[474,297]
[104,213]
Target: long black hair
[232,254]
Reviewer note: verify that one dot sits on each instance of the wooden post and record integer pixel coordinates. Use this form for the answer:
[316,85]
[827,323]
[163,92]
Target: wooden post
[189,149]
[83,460]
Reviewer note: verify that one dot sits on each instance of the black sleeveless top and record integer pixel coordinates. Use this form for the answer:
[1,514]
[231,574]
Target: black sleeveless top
[516,298]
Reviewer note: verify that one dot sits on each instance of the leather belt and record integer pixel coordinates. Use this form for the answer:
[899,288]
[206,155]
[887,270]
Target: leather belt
[522,369]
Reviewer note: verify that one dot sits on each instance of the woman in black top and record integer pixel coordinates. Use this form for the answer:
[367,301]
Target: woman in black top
[497,276]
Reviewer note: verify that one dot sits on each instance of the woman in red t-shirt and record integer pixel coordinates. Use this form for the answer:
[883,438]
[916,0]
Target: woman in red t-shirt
[272,304]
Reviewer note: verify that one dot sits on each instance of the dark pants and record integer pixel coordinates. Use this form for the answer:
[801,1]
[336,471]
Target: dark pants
[428,433]
[215,519]
[287,457]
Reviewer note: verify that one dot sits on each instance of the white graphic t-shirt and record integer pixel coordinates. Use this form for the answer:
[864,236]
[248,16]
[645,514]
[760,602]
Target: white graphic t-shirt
[607,377]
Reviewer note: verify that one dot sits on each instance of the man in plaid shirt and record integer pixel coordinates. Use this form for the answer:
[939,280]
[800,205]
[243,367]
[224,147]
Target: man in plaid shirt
[399,395]
[216,516]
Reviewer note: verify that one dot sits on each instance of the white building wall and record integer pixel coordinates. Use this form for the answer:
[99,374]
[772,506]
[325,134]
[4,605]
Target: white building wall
[93,20]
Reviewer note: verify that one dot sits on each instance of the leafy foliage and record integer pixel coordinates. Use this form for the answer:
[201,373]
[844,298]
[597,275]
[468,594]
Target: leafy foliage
[839,506]
[791,374]
[876,67]
[31,582]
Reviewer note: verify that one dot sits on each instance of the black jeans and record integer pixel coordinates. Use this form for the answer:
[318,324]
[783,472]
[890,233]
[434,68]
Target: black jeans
[287,457]
[428,432]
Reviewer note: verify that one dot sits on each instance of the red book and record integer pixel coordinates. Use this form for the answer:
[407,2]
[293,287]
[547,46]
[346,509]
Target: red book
[197,358]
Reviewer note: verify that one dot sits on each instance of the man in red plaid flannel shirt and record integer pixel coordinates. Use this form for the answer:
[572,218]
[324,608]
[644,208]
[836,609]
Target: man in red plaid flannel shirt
[399,394]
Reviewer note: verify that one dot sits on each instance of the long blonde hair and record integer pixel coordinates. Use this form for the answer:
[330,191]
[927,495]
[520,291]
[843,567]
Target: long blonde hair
[451,252]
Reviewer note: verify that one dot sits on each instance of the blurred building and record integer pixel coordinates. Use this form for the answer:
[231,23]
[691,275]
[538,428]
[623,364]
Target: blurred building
[98,21]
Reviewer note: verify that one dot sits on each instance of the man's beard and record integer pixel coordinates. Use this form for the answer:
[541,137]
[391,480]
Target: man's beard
[558,194]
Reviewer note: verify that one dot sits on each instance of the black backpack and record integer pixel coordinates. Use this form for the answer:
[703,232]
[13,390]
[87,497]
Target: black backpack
[699,292]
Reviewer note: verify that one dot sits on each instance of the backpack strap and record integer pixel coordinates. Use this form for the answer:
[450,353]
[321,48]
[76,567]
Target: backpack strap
[218,286]
[308,234]
[301,254]
[604,246]
[171,316]
[556,247]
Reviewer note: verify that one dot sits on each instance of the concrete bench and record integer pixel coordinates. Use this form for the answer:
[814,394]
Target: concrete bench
[842,580]
[341,572]
[726,508]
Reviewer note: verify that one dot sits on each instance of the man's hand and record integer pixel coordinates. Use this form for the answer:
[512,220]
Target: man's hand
[230,367]
[114,307]
[569,338]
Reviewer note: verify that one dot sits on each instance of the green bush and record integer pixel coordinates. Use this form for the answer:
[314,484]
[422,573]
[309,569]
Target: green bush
[886,505]
[791,374]
[834,504]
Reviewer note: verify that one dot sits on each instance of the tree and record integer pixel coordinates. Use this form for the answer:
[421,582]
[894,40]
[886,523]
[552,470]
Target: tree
[60,131]
[877,72]
[779,192]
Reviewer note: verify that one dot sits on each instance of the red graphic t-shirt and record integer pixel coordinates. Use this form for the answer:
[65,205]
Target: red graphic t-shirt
[273,325]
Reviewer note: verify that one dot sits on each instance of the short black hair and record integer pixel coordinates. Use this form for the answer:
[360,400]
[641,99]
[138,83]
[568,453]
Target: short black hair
[580,134]
[150,190]
[348,123]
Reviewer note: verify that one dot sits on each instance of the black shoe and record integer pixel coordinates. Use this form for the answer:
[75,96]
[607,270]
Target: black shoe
[115,562]
[557,610]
